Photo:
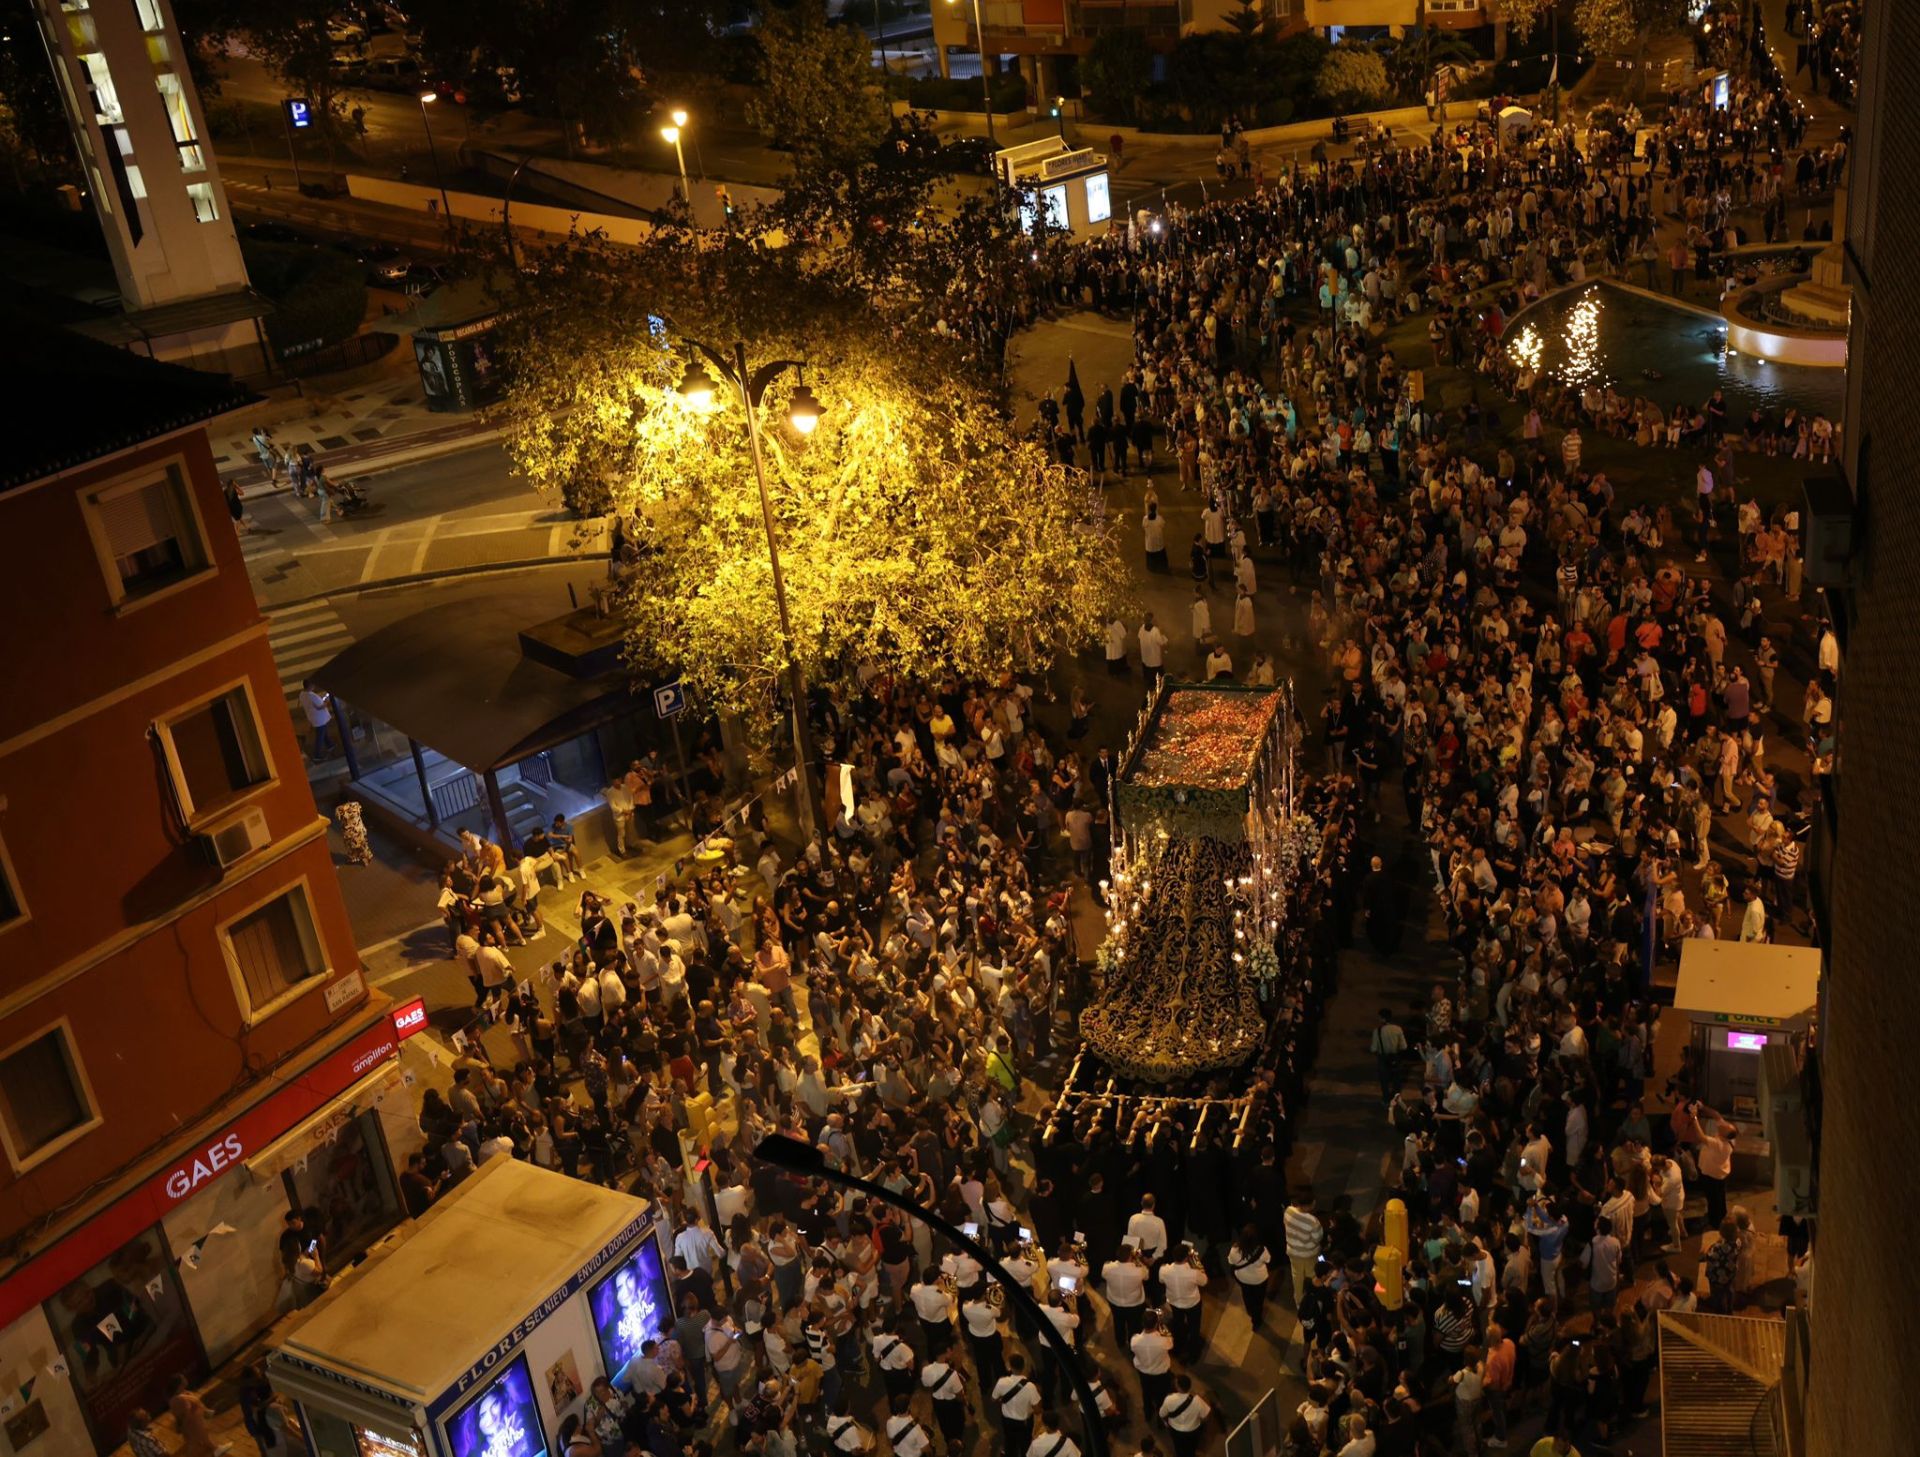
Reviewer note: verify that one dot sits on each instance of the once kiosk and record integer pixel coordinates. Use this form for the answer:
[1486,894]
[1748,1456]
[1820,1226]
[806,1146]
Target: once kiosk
[1751,1006]
[477,1330]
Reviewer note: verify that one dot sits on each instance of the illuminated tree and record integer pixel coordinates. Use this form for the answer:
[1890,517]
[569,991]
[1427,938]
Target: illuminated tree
[919,534]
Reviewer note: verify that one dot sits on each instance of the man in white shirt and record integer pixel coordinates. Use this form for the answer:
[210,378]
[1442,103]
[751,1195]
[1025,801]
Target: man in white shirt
[1185,1412]
[696,1245]
[933,1307]
[983,1336]
[1182,1279]
[1149,1230]
[905,1435]
[1125,1280]
[318,709]
[613,991]
[894,1357]
[1050,1441]
[1152,1352]
[1153,648]
[946,1383]
[1715,1157]
[1669,1188]
[1017,1399]
[847,1435]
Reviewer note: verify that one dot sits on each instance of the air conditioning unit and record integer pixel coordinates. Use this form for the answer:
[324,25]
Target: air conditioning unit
[236,839]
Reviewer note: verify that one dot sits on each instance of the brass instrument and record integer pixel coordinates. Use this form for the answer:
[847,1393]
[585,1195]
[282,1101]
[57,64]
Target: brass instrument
[996,1296]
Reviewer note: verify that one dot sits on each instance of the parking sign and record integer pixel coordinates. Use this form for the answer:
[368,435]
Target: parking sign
[299,113]
[669,699]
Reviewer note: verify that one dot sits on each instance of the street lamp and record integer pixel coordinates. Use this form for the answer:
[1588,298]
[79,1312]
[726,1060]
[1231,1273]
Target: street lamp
[427,98]
[699,389]
[803,1159]
[672,133]
[986,83]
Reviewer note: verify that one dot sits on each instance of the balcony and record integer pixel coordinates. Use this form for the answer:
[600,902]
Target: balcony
[1091,17]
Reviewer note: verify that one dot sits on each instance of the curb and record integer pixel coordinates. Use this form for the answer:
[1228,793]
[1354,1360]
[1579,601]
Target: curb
[415,579]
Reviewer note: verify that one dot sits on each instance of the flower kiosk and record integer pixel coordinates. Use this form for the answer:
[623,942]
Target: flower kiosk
[477,1329]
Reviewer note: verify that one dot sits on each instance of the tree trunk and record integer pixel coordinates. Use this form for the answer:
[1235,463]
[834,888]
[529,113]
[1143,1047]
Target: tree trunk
[1499,40]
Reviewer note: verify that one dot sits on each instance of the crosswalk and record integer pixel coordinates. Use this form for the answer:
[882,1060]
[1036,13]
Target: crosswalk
[304,637]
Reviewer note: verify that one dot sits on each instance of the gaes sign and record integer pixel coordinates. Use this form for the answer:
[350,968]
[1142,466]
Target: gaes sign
[204,1164]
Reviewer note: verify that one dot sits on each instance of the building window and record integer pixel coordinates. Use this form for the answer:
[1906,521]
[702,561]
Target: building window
[273,953]
[204,207]
[216,754]
[180,118]
[150,16]
[149,534]
[44,1100]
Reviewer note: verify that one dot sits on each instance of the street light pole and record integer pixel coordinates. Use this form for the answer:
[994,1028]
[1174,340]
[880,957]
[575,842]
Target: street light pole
[446,206]
[752,385]
[986,81]
[807,1161]
[673,134]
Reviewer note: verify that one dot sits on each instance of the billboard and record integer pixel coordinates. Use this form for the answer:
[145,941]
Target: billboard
[502,1421]
[630,1307]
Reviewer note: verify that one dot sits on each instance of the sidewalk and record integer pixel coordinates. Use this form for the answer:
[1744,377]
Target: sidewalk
[375,420]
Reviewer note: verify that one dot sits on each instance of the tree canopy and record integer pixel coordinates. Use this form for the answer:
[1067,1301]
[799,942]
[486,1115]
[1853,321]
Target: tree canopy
[919,534]
[1352,76]
[818,92]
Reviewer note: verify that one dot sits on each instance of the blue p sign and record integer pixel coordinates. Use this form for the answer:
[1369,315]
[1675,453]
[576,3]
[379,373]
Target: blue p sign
[299,114]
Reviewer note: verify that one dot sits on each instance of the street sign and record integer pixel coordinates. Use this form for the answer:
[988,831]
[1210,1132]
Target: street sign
[670,699]
[299,113]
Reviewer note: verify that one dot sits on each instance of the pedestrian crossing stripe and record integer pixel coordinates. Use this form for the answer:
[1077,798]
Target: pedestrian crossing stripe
[303,638]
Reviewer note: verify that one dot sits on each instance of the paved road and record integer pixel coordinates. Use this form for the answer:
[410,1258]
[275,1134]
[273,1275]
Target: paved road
[452,513]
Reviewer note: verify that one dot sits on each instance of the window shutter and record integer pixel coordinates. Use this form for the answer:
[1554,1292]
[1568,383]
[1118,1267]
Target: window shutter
[138,520]
[269,950]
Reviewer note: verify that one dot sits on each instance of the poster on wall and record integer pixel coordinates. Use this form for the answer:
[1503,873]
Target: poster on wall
[502,1421]
[124,1331]
[1099,198]
[630,1307]
[563,1382]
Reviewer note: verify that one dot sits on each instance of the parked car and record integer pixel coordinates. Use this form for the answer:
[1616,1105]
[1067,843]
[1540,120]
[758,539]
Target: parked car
[392,73]
[343,30]
[386,265]
[420,279]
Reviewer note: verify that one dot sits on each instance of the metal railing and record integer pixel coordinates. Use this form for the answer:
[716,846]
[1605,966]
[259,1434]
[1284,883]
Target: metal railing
[456,796]
[1262,1432]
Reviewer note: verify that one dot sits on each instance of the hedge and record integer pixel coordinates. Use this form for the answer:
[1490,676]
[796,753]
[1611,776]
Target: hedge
[319,296]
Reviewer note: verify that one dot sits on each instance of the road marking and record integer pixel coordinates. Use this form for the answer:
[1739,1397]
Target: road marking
[420,551]
[303,638]
[372,562]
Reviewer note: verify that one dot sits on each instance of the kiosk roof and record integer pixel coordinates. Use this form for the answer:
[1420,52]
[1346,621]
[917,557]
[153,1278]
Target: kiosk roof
[1747,982]
[415,1319]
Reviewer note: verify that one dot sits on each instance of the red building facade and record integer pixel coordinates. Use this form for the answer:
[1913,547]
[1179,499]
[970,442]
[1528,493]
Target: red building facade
[188,1047]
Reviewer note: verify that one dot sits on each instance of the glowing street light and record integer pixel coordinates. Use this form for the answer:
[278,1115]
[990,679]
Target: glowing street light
[427,98]
[701,391]
[673,133]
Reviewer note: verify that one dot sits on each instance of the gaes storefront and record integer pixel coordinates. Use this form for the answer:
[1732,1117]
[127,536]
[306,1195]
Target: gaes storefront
[176,1275]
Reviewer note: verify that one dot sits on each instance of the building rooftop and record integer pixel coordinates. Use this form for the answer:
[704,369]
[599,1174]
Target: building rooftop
[72,400]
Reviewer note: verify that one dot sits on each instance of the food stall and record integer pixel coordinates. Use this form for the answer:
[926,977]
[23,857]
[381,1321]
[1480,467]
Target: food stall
[1747,1003]
[476,1330]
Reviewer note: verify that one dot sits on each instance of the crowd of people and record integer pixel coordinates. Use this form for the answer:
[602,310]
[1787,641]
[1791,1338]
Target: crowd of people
[1577,712]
